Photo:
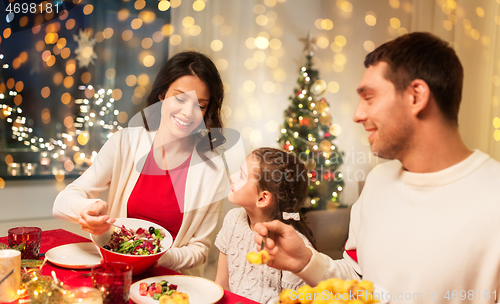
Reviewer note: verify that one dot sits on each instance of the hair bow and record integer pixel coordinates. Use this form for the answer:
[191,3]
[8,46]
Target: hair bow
[291,216]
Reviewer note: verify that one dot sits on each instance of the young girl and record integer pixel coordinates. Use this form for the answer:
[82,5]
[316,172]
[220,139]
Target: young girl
[271,184]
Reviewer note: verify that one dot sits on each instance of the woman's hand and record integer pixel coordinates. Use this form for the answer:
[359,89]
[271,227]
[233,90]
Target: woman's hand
[286,248]
[95,218]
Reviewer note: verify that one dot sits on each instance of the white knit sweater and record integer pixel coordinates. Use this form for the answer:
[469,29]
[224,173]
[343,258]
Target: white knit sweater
[425,237]
[257,282]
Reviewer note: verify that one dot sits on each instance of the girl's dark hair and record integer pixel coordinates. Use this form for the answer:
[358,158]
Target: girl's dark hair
[191,63]
[285,177]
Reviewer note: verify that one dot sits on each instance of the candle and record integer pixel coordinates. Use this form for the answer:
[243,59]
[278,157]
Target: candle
[10,274]
[85,295]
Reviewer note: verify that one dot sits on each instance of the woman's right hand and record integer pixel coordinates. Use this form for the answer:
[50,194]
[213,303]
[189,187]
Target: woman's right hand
[95,219]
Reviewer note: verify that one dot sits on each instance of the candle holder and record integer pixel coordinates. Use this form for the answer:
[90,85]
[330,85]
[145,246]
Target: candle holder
[85,295]
[27,240]
[113,280]
[10,274]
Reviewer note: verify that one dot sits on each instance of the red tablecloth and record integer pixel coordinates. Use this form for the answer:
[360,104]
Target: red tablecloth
[77,278]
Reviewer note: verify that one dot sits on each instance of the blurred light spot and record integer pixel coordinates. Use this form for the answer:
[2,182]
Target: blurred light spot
[259,56]
[2,183]
[259,9]
[143,80]
[188,22]
[175,40]
[395,23]
[250,43]
[163,5]
[337,67]
[261,43]
[108,33]
[70,24]
[346,6]
[83,138]
[167,29]
[261,20]
[225,30]
[221,64]
[20,86]
[136,23]
[45,92]
[198,5]
[272,62]
[333,87]
[148,61]
[110,73]
[158,36]
[65,99]
[467,24]
[127,35]
[61,43]
[116,94]
[268,87]
[218,20]
[275,44]
[139,4]
[270,3]
[68,82]
[9,159]
[175,3]
[496,122]
[45,116]
[195,30]
[486,41]
[407,7]
[87,9]
[250,64]
[496,135]
[394,4]
[122,117]
[147,16]
[496,80]
[402,31]
[147,43]
[139,92]
[276,32]
[371,18]
[249,86]
[86,77]
[322,42]
[447,25]
[341,40]
[335,129]
[18,99]
[480,12]
[326,24]
[123,14]
[279,75]
[131,80]
[69,165]
[65,53]
[216,45]
[256,136]
[369,45]
[475,34]
[58,78]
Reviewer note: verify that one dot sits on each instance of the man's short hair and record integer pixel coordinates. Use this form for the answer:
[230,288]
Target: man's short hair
[423,56]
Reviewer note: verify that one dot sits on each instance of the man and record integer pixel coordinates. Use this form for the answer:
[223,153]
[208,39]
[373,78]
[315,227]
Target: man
[426,226]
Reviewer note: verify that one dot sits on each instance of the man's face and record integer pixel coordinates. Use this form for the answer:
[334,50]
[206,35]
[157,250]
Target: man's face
[384,113]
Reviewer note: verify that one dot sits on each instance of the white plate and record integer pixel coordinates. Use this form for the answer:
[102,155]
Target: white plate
[199,290]
[377,291]
[74,256]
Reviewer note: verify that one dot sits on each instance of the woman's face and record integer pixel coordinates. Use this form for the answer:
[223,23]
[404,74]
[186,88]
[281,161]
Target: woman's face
[184,106]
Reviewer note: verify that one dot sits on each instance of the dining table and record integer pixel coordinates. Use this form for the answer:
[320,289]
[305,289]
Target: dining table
[73,278]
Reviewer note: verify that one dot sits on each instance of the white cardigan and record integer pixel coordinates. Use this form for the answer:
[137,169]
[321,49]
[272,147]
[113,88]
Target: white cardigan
[118,166]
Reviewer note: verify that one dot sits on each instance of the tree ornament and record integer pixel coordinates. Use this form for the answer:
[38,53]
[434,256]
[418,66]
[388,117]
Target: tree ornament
[321,106]
[310,164]
[309,43]
[325,119]
[319,87]
[325,146]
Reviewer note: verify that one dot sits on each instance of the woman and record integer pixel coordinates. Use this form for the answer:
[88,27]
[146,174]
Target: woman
[163,171]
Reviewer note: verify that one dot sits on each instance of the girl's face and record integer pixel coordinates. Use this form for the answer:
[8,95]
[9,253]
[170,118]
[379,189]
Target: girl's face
[184,106]
[244,187]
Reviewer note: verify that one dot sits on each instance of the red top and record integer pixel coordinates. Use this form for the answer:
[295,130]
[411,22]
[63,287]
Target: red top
[158,195]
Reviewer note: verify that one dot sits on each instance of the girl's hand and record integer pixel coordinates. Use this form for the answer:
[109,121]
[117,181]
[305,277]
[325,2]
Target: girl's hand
[94,218]
[287,250]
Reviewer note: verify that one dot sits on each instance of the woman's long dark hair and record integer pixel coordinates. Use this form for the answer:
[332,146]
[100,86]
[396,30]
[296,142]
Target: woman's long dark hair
[285,177]
[191,64]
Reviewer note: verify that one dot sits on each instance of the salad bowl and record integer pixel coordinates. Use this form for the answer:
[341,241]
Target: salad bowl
[140,263]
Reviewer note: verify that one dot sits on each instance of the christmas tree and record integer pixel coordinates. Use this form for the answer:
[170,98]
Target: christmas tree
[308,133]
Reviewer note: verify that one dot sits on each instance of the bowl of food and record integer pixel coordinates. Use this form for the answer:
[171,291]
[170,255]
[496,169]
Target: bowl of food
[137,242]
[335,290]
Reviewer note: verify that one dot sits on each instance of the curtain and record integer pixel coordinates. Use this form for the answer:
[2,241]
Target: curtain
[259,81]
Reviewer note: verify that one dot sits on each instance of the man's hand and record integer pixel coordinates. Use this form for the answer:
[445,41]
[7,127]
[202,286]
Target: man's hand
[95,218]
[286,248]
